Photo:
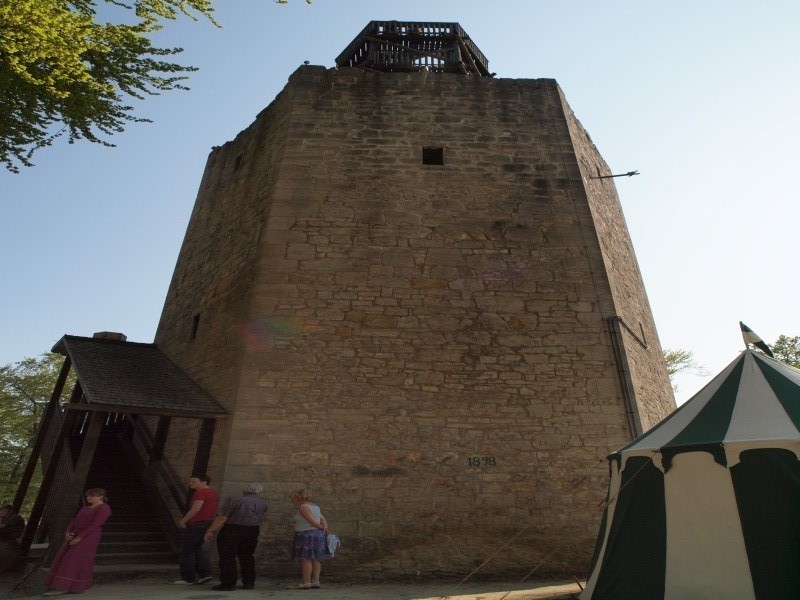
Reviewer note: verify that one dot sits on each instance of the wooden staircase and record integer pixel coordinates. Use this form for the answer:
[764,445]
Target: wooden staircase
[133,536]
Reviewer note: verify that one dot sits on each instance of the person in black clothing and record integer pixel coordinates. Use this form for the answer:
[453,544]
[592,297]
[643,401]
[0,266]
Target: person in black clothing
[238,523]
[11,527]
[11,524]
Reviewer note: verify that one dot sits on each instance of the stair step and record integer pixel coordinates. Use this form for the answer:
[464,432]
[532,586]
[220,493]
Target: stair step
[130,519]
[133,547]
[136,526]
[133,539]
[136,558]
[131,514]
[168,571]
[131,536]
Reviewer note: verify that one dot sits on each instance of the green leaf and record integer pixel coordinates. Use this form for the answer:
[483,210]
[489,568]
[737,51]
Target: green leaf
[64,73]
[25,390]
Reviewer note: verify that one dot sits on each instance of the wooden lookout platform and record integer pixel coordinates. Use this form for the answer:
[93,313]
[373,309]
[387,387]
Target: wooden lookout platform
[413,46]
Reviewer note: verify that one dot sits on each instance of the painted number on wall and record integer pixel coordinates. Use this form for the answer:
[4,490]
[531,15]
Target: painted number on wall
[477,461]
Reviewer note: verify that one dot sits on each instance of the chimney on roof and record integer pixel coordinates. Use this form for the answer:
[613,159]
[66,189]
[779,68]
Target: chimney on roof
[110,335]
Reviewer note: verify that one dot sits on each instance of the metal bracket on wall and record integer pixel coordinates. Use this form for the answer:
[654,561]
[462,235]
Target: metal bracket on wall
[642,341]
[628,174]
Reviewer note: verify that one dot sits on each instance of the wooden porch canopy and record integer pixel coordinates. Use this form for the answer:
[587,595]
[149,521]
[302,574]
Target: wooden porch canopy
[129,377]
[114,377]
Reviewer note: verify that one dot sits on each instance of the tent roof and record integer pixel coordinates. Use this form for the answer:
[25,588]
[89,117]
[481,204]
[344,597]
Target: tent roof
[135,378]
[754,400]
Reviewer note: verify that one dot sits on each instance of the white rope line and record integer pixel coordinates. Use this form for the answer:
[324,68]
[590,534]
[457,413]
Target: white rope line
[519,533]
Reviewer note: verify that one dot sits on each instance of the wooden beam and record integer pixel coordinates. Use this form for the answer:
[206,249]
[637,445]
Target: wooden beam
[50,469]
[77,483]
[204,441]
[41,433]
[465,52]
[432,53]
[157,449]
[138,410]
[179,495]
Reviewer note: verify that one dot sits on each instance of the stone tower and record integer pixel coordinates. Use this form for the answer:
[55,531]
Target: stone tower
[411,285]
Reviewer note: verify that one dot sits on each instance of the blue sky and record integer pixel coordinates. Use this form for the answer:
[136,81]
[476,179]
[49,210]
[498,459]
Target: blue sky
[702,98]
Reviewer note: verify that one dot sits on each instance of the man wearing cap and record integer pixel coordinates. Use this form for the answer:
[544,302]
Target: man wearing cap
[238,523]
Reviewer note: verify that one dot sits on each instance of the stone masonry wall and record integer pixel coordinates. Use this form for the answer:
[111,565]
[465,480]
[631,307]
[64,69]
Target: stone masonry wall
[645,359]
[424,345]
[204,326]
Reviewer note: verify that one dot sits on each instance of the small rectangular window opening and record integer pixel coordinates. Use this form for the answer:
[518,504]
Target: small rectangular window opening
[195,325]
[433,156]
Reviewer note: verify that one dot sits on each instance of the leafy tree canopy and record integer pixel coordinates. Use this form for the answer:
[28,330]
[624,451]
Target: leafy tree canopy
[25,390]
[64,71]
[787,349]
[682,361]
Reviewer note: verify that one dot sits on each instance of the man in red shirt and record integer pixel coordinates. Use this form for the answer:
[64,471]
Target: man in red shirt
[194,563]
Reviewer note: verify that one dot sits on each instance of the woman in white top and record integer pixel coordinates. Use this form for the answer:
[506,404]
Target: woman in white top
[310,538]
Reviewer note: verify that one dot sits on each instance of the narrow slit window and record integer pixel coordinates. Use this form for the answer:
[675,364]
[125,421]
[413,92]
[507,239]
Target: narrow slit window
[433,156]
[195,326]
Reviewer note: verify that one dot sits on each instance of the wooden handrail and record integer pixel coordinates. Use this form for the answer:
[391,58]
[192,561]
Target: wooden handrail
[163,470]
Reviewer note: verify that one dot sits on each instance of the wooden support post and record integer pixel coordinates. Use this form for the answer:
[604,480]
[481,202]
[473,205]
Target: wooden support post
[41,433]
[76,485]
[204,441]
[51,467]
[157,450]
[465,53]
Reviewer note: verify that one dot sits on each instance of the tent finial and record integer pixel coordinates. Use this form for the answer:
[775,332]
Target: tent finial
[751,337]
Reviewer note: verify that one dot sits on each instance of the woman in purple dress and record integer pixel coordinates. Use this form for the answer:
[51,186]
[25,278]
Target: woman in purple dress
[72,568]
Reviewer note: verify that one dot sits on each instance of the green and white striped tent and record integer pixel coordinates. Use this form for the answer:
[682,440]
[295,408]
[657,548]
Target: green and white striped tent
[706,505]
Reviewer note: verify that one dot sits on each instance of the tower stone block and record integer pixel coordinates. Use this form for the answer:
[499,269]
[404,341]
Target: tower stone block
[414,294]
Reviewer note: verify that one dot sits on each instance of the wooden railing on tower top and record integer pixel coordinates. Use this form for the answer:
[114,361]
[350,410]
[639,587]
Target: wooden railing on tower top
[411,45]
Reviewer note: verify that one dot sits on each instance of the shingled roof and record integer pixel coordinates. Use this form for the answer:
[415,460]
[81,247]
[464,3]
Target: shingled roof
[135,378]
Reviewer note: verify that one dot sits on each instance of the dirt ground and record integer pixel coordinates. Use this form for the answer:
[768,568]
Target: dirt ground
[157,589]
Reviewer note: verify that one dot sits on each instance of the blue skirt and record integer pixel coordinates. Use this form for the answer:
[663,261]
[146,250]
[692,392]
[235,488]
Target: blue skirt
[310,545]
